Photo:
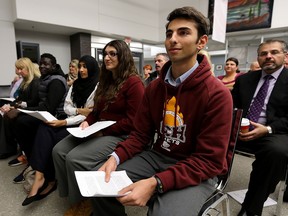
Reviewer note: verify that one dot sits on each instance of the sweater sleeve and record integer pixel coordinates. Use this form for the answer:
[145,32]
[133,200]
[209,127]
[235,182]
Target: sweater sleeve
[143,133]
[133,97]
[70,108]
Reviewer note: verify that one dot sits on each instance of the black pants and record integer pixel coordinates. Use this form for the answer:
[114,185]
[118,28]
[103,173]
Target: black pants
[8,143]
[41,157]
[268,169]
[25,129]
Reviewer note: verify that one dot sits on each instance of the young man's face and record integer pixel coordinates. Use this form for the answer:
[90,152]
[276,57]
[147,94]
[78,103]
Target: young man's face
[46,66]
[181,40]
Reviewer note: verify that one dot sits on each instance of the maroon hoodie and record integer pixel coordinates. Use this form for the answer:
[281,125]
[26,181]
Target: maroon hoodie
[197,136]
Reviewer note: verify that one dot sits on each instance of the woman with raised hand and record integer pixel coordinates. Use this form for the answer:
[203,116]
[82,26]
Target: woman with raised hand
[78,104]
[117,98]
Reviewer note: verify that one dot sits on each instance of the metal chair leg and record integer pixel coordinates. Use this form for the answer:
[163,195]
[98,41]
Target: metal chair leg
[282,189]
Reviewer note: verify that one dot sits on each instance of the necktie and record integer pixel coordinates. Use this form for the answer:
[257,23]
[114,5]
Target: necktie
[258,102]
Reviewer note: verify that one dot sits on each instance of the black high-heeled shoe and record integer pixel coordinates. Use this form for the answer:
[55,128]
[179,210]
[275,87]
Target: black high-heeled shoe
[36,197]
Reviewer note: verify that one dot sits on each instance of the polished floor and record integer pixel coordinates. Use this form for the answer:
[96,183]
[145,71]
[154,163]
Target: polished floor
[12,194]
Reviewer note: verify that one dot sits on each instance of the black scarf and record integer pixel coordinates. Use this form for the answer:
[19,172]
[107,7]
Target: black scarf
[82,88]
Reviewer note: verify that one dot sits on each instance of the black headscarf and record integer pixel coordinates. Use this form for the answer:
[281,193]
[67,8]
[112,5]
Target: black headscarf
[82,88]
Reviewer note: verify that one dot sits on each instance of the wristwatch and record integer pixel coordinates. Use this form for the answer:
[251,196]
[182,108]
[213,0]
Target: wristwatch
[159,187]
[269,129]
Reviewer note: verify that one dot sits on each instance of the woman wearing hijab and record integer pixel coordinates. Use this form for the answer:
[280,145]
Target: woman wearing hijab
[78,104]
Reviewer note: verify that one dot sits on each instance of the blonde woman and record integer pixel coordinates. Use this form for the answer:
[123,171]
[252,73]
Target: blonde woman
[206,53]
[28,97]
[73,72]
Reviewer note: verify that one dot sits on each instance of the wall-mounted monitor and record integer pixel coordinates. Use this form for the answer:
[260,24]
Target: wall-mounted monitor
[29,50]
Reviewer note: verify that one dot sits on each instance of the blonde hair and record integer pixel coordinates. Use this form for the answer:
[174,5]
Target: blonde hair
[74,62]
[33,70]
[205,52]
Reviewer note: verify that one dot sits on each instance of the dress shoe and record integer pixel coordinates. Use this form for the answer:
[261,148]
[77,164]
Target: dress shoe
[36,197]
[20,178]
[244,212]
[21,159]
[6,155]
[42,196]
[31,199]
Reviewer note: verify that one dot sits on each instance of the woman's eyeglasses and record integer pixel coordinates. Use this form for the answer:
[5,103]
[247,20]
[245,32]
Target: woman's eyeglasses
[111,54]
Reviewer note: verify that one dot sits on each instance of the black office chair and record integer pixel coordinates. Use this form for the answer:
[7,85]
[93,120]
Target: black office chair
[282,184]
[209,208]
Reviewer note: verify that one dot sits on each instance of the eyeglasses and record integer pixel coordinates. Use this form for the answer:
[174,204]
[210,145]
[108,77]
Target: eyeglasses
[272,52]
[111,54]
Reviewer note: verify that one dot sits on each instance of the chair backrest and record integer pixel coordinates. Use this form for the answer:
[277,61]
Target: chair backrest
[223,179]
[236,122]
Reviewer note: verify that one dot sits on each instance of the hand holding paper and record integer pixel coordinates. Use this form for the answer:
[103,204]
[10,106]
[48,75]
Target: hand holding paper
[80,133]
[92,183]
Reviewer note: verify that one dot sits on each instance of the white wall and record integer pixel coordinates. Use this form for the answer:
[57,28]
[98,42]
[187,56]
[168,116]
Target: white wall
[166,6]
[7,53]
[134,18]
[57,45]
[279,18]
[140,20]
[7,42]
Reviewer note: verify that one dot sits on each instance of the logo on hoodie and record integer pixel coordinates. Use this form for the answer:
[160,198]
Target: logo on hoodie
[174,127]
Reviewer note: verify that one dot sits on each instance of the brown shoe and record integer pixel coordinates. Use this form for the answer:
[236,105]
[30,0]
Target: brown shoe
[83,208]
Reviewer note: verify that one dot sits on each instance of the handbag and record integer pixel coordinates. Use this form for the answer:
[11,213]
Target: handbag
[29,176]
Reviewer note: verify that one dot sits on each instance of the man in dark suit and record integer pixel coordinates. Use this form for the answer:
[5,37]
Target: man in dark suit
[268,136]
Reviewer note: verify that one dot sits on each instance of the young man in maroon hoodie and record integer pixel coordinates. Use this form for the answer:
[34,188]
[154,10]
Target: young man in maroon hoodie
[191,113]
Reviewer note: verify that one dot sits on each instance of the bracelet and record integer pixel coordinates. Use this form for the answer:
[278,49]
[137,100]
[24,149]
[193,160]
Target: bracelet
[159,186]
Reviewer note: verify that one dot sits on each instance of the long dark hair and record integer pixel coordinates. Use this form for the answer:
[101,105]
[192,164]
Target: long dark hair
[108,85]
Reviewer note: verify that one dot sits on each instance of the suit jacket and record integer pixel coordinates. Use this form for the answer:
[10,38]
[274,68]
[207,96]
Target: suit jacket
[277,106]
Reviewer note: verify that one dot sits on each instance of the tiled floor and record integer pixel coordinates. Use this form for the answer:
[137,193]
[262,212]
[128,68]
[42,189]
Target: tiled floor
[12,195]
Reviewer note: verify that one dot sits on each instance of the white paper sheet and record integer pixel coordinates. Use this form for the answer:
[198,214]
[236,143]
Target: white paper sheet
[92,183]
[80,133]
[8,99]
[42,115]
[239,196]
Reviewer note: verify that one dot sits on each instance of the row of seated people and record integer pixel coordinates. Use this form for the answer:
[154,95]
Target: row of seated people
[192,129]
[119,93]
[24,68]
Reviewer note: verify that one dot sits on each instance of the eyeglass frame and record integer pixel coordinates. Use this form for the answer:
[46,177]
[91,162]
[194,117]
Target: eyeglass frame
[111,54]
[272,52]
